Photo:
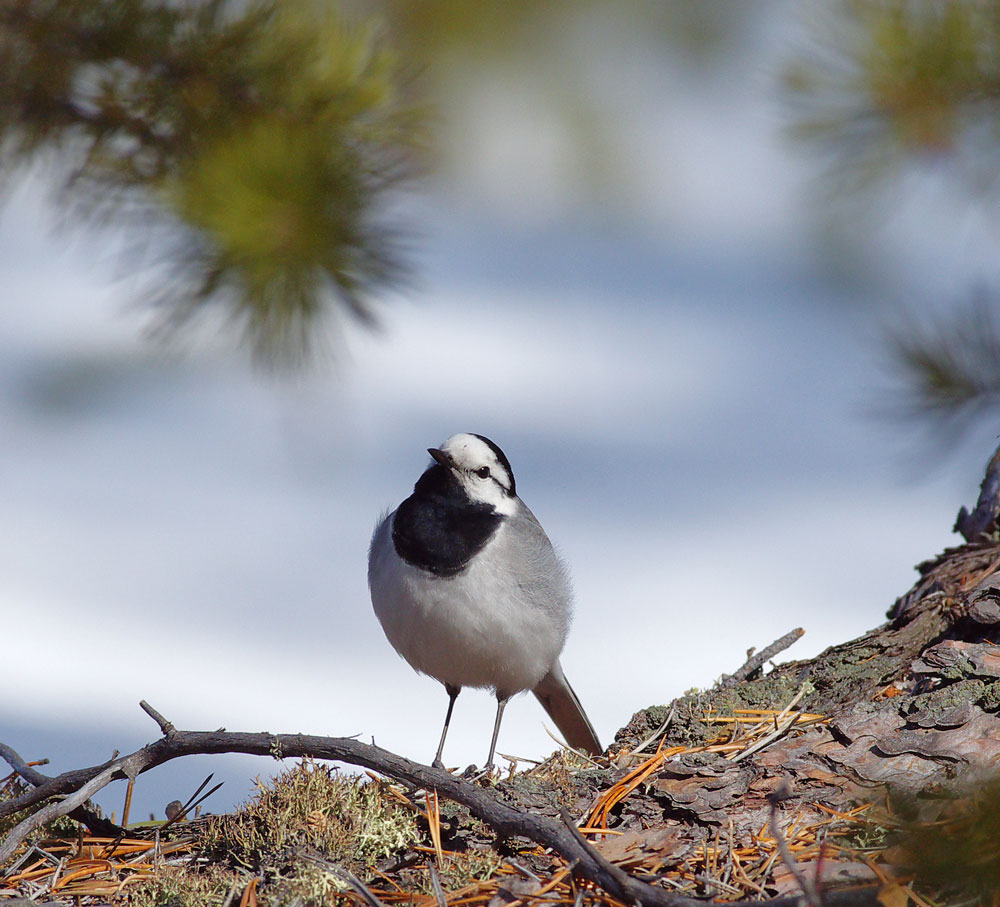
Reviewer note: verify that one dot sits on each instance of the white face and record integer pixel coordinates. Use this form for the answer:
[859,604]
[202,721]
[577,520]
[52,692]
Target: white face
[481,472]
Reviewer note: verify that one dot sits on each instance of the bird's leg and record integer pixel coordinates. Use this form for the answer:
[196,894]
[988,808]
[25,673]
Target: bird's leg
[501,705]
[452,696]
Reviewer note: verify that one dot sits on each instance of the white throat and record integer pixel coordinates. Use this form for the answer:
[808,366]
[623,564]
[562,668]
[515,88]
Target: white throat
[481,473]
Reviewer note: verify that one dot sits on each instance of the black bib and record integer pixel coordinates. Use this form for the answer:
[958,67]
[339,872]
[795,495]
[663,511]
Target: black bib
[438,529]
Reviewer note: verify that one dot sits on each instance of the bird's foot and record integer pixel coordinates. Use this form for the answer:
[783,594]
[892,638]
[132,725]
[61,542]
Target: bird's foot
[475,775]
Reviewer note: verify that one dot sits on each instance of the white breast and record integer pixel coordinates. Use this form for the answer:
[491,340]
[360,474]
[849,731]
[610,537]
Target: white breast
[493,625]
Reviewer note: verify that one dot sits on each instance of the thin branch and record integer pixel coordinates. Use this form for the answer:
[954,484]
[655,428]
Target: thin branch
[31,775]
[758,659]
[807,885]
[439,894]
[97,824]
[562,744]
[183,809]
[56,809]
[652,738]
[782,722]
[168,729]
[612,878]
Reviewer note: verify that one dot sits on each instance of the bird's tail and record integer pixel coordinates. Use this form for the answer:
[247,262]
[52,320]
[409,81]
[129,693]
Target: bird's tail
[558,699]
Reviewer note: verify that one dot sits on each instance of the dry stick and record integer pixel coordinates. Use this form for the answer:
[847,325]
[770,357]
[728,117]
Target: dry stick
[54,810]
[96,824]
[652,738]
[128,802]
[758,659]
[21,767]
[783,721]
[807,885]
[232,893]
[436,886]
[563,745]
[505,820]
[168,729]
[527,873]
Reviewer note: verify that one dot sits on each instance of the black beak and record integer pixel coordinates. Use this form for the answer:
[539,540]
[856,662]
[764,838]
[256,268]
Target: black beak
[441,457]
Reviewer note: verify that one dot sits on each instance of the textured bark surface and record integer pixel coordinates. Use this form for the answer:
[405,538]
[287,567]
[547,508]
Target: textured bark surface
[913,706]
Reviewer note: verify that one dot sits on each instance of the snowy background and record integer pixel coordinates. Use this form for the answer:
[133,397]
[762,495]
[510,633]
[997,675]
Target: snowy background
[689,388]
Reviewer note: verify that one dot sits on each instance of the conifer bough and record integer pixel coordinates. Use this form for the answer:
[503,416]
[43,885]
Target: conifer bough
[253,144]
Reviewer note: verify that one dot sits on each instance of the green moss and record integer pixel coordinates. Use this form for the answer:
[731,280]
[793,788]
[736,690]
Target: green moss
[866,835]
[990,698]
[311,809]
[312,884]
[952,695]
[474,864]
[689,728]
[177,886]
[11,790]
[350,821]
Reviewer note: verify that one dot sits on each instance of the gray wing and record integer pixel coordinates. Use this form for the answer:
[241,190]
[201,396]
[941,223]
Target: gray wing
[543,578]
[380,546]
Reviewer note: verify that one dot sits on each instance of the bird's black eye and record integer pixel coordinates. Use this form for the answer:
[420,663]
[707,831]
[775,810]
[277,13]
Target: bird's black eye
[483,472]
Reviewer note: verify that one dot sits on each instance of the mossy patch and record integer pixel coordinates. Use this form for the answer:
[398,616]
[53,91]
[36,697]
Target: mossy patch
[949,696]
[349,821]
[564,780]
[688,727]
[180,886]
[11,789]
[990,698]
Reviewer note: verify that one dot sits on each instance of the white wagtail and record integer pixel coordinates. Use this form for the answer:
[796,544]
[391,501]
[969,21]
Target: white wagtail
[470,591]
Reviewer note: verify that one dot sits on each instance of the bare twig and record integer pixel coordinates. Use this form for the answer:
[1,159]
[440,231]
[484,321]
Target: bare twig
[652,738]
[436,886]
[527,873]
[782,722]
[168,729]
[54,810]
[128,802]
[758,659]
[97,825]
[21,767]
[807,885]
[232,893]
[564,745]
[182,810]
[610,877]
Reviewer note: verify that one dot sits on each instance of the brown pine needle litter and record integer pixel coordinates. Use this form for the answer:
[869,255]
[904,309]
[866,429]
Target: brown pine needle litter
[189,864]
[90,867]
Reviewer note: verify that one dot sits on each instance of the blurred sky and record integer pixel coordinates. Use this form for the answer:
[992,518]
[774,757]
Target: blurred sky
[680,358]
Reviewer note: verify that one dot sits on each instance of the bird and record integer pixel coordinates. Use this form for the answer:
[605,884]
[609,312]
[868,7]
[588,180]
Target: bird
[470,591]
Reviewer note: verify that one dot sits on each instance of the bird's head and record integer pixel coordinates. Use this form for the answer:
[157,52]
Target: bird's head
[480,468]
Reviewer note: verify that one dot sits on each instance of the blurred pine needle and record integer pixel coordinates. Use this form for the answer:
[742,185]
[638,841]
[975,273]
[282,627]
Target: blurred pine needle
[264,137]
[882,84]
[949,365]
